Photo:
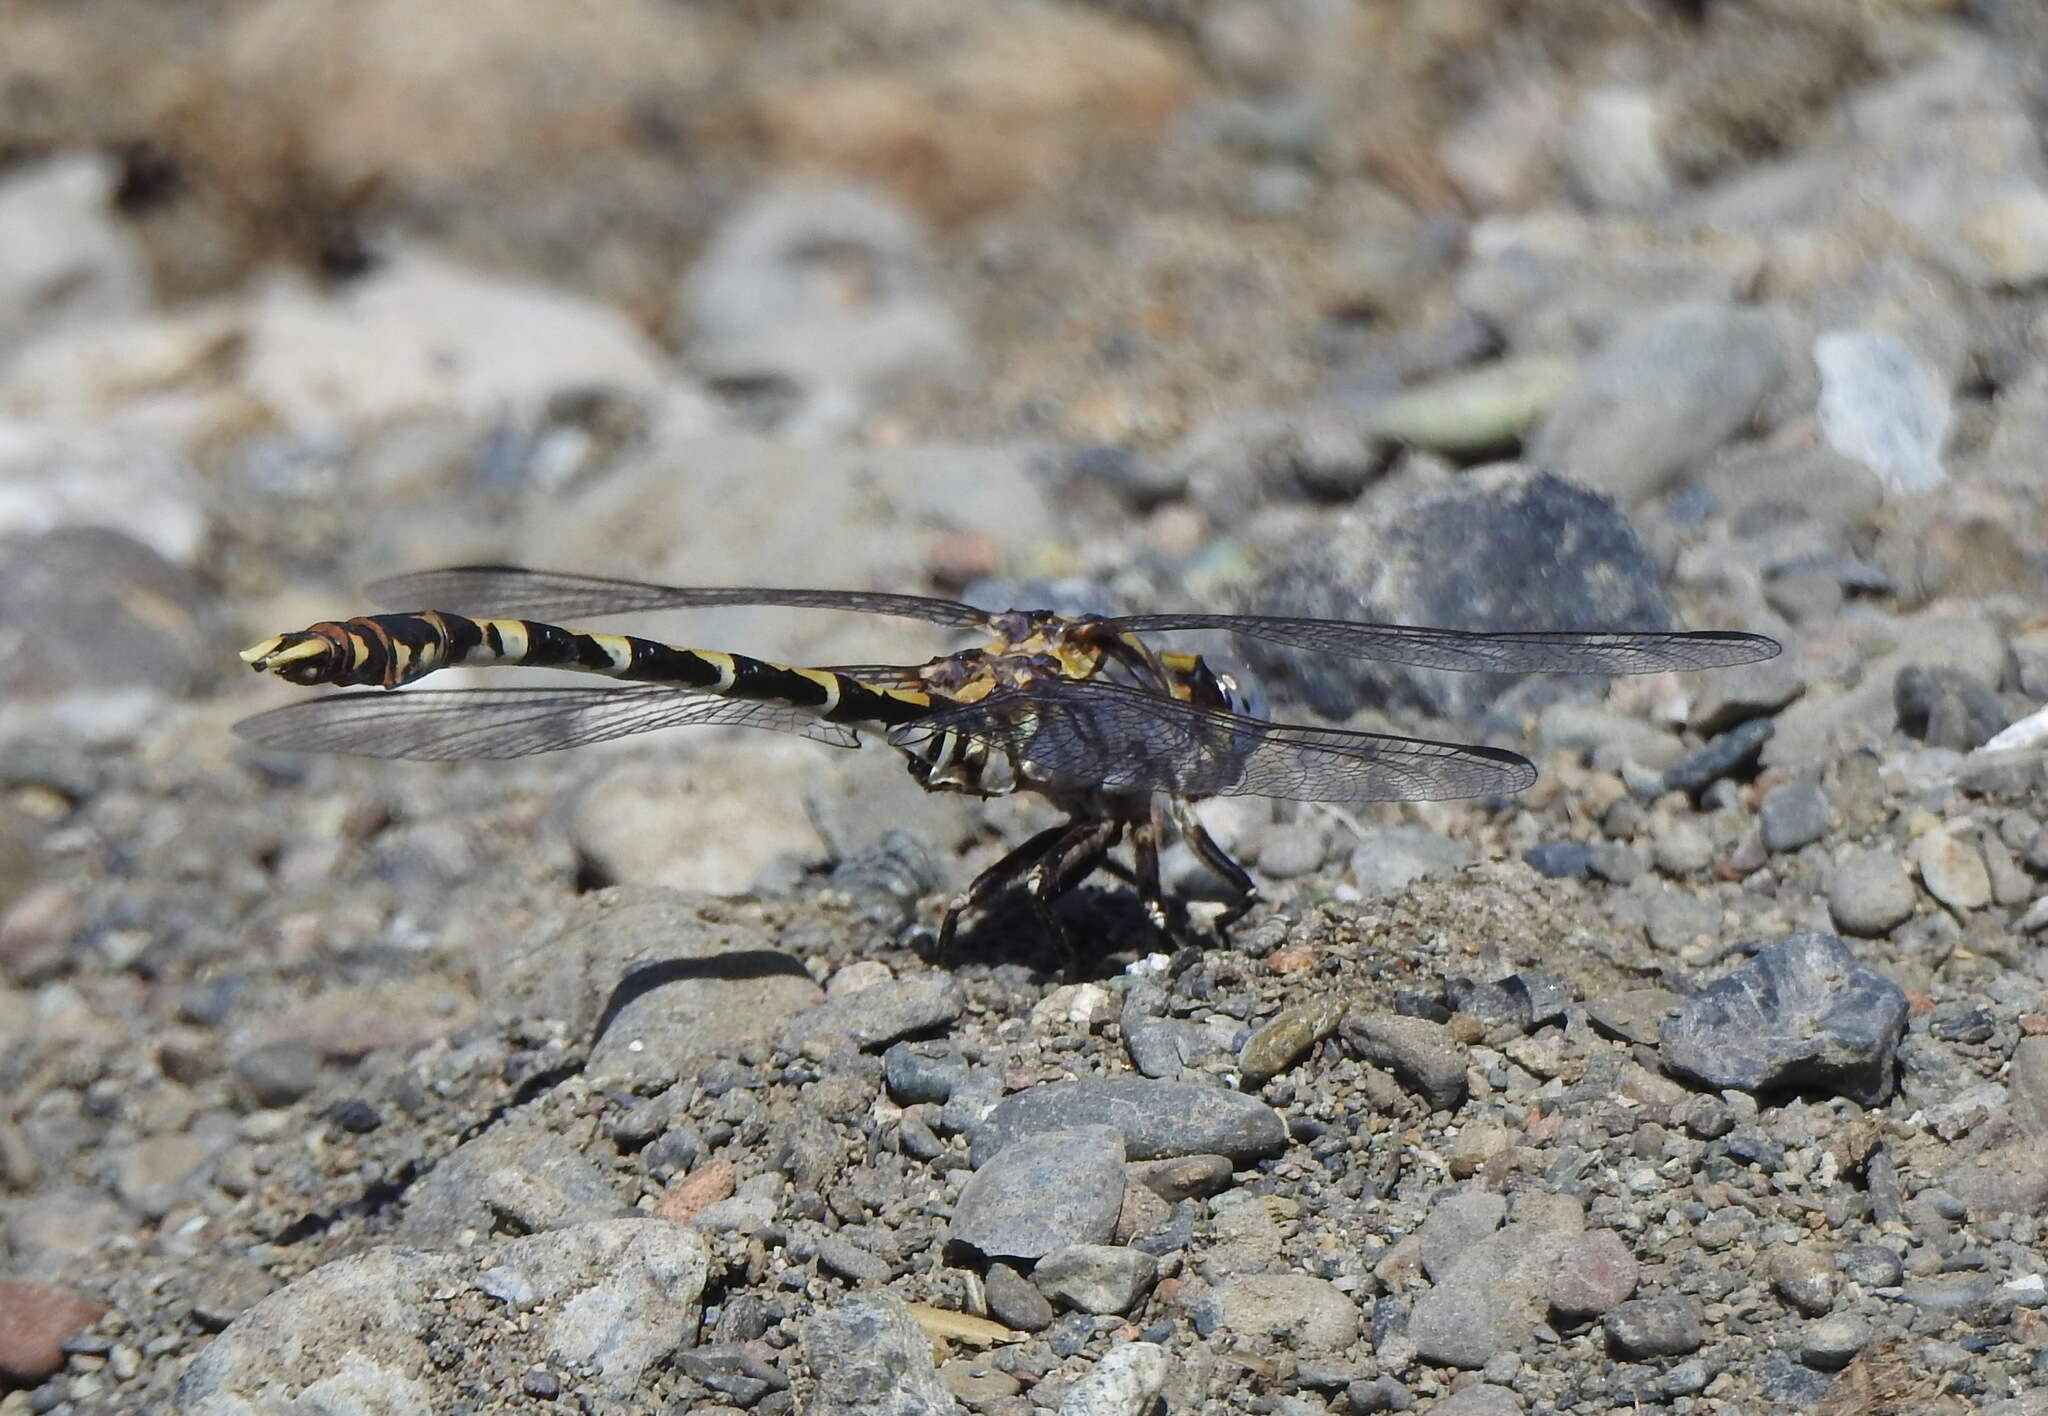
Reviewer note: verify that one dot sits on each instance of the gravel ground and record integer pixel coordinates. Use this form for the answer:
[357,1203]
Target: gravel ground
[1709,1075]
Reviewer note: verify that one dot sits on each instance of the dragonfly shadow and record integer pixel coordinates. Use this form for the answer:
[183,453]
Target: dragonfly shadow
[733,966]
[1102,928]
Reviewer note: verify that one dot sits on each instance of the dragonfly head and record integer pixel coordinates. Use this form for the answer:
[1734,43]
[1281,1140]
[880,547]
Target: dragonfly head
[1241,695]
[305,656]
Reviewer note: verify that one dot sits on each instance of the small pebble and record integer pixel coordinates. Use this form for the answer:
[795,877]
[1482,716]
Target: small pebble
[1096,1278]
[1793,814]
[1806,1279]
[1869,893]
[1596,1273]
[1830,1344]
[1655,1327]
[1952,871]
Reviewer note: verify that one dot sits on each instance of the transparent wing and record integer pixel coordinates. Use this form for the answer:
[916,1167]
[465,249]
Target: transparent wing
[441,725]
[509,592]
[1093,733]
[1568,651]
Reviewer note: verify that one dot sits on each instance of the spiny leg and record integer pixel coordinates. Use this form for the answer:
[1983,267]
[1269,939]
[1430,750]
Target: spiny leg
[999,877]
[1083,847]
[1219,862]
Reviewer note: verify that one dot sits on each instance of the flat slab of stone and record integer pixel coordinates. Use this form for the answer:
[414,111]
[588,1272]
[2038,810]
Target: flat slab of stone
[1155,1118]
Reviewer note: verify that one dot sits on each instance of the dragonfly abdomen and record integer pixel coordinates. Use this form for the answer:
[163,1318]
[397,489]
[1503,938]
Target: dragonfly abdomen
[388,651]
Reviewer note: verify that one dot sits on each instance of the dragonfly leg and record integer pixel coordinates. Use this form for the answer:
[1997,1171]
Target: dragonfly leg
[1218,860]
[1067,864]
[1145,838]
[1000,877]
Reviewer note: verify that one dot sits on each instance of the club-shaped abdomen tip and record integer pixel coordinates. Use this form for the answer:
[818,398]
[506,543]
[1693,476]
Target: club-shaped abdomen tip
[302,657]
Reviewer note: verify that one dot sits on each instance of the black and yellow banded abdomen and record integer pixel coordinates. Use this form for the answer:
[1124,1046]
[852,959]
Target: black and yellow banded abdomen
[386,651]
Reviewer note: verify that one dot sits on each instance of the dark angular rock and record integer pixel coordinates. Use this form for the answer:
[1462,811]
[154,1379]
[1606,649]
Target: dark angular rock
[1731,753]
[1534,552]
[1946,707]
[1803,1014]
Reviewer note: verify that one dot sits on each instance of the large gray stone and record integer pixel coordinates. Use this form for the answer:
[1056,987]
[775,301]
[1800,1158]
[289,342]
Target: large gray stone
[1804,1014]
[1532,552]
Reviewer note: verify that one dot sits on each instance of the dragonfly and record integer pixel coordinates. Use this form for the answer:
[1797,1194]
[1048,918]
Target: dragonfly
[1084,711]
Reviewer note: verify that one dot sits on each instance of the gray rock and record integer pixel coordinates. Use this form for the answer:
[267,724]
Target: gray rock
[868,1357]
[1586,571]
[155,1175]
[923,1071]
[1155,1118]
[826,289]
[1389,857]
[278,1073]
[71,259]
[513,1172]
[1869,893]
[1872,1265]
[660,979]
[1794,814]
[1802,1014]
[1497,1290]
[1660,396]
[1419,1053]
[1595,1274]
[880,1013]
[1731,752]
[2027,1083]
[1832,1343]
[1655,1327]
[1014,1301]
[1096,1278]
[1474,412]
[1883,405]
[1291,851]
[622,1294]
[1635,1014]
[1675,920]
[1043,1191]
[1946,707]
[1805,1278]
[1485,1399]
[1305,1312]
[109,616]
[1952,870]
[1126,1382]
[1681,847]
[850,1261]
[347,1337]
[1456,1222]
[1819,726]
[1722,701]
